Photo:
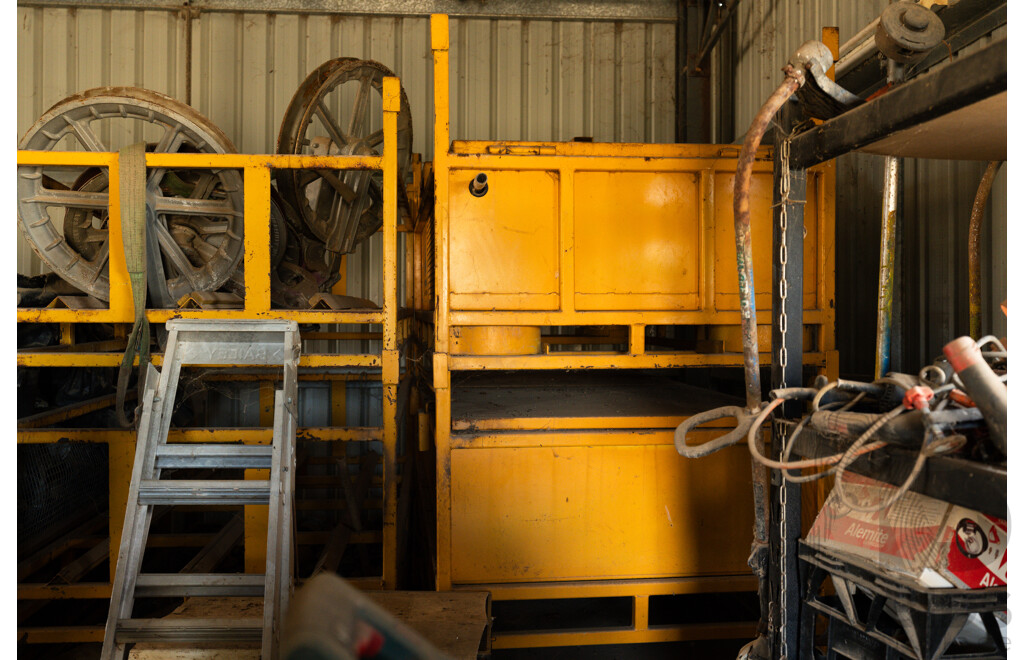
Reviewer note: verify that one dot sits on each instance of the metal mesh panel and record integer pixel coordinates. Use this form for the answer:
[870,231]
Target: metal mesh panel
[56,482]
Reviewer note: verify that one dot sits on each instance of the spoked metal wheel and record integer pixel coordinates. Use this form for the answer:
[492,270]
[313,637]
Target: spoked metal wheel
[195,216]
[337,110]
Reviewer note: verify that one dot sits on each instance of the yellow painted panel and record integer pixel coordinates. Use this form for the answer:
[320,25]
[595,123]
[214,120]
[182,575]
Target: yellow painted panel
[726,283]
[637,240]
[558,513]
[504,246]
[496,340]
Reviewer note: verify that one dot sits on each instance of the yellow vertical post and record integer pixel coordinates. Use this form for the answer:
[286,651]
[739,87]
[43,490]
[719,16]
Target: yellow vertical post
[830,37]
[389,359]
[566,253]
[442,391]
[339,388]
[122,306]
[439,45]
[256,514]
[121,453]
[442,442]
[641,605]
[257,239]
[257,299]
[706,240]
[637,339]
[120,461]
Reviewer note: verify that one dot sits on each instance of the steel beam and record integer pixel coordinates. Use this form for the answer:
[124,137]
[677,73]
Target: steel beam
[650,11]
[967,80]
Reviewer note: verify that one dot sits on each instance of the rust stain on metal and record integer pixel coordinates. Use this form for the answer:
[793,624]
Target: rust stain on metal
[974,246]
[741,218]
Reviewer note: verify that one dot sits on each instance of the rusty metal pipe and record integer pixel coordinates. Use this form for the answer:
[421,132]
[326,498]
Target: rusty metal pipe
[886,267]
[741,219]
[982,385]
[974,246]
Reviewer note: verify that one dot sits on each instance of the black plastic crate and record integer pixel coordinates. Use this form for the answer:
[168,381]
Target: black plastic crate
[878,615]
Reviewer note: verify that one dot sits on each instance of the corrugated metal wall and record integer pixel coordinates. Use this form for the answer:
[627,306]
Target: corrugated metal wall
[535,79]
[932,293]
[515,79]
[511,79]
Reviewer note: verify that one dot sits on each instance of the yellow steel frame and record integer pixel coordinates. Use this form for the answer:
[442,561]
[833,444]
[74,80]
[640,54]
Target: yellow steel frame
[567,161]
[256,172]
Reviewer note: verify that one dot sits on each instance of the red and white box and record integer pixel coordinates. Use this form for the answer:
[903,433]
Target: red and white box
[934,542]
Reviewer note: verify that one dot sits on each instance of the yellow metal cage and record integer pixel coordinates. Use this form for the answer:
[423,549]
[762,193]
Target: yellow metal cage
[121,442]
[556,478]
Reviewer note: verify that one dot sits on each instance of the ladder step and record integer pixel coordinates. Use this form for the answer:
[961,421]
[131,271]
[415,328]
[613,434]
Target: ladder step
[130,631]
[199,584]
[214,456]
[204,491]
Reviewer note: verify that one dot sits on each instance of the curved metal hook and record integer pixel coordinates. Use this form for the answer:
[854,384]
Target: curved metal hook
[744,418]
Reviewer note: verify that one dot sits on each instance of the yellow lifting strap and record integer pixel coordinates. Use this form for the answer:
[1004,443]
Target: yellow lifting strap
[132,178]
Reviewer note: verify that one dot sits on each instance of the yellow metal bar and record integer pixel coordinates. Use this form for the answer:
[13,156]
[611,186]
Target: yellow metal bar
[257,239]
[69,158]
[528,151]
[442,328]
[339,391]
[625,437]
[579,360]
[305,374]
[572,423]
[120,460]
[255,516]
[609,163]
[390,520]
[115,315]
[442,441]
[830,37]
[121,305]
[688,632]
[637,339]
[196,160]
[67,334]
[654,317]
[60,635]
[566,255]
[640,612]
[46,359]
[77,591]
[680,162]
[706,246]
[826,190]
[613,588]
[391,92]
[243,435]
[439,47]
[276,161]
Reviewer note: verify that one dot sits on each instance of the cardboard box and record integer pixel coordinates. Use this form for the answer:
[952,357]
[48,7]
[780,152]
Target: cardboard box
[934,542]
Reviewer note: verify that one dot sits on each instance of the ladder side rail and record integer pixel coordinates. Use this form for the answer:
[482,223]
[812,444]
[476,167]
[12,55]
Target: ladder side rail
[272,586]
[167,390]
[129,555]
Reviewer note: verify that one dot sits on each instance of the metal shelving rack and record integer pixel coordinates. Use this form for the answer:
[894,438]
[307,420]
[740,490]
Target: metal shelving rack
[969,80]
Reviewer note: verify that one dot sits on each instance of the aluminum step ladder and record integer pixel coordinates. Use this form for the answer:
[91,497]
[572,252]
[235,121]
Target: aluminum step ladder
[203,342]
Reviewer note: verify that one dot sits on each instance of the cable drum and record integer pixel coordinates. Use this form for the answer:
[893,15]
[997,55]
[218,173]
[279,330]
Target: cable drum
[63,212]
[333,112]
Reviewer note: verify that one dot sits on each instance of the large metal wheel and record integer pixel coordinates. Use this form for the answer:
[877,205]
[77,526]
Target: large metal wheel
[198,213]
[335,112]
